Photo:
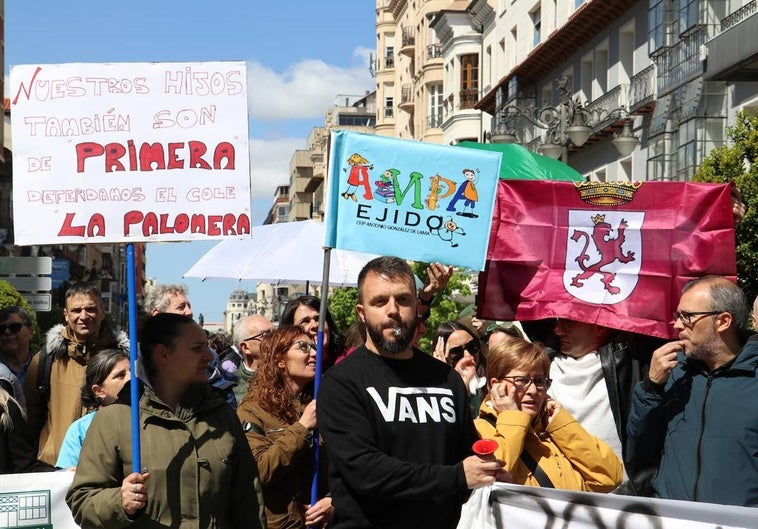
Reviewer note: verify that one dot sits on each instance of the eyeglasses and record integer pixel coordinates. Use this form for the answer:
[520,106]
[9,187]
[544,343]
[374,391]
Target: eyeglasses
[258,336]
[686,316]
[522,382]
[304,346]
[454,354]
[14,327]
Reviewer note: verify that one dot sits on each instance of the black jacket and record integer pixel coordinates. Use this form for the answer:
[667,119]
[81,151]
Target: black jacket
[17,453]
[625,361]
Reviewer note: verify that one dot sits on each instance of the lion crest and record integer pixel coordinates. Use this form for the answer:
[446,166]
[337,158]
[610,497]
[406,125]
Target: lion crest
[609,248]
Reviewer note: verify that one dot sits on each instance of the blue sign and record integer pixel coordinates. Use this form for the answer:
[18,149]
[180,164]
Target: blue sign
[60,273]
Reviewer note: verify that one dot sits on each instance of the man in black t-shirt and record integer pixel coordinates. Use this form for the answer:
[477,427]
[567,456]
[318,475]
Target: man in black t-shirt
[395,421]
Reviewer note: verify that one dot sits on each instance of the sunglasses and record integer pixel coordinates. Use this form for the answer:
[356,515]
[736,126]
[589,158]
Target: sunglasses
[14,327]
[454,354]
[258,336]
[304,346]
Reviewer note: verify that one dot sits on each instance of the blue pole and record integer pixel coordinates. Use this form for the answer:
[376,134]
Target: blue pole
[319,367]
[131,280]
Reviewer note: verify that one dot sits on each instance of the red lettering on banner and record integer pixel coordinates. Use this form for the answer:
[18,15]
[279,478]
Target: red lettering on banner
[154,156]
[151,223]
[95,227]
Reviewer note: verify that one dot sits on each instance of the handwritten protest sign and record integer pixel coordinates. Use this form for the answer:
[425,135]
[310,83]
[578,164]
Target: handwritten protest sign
[130,152]
[410,199]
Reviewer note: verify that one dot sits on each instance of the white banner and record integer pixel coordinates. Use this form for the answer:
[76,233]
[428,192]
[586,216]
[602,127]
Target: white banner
[519,507]
[130,152]
[35,500]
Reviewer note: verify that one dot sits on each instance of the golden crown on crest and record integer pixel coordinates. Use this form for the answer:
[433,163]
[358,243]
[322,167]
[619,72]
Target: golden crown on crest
[607,193]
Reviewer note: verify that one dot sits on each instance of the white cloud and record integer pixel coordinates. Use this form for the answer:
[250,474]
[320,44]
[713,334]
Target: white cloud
[306,89]
[269,160]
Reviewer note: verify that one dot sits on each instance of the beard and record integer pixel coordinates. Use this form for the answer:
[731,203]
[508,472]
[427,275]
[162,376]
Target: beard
[395,344]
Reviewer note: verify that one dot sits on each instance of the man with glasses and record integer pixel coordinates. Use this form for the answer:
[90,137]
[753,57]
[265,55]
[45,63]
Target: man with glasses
[697,406]
[16,332]
[248,335]
[594,372]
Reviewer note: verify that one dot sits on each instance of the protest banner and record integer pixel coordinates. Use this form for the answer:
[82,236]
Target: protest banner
[35,500]
[545,508]
[410,199]
[614,254]
[130,152]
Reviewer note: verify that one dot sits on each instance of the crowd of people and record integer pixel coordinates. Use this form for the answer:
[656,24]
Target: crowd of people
[228,426]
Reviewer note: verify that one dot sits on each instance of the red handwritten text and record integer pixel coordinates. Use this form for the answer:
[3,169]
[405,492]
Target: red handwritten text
[154,156]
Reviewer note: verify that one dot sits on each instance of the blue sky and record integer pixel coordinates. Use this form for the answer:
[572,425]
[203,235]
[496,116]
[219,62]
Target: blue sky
[300,55]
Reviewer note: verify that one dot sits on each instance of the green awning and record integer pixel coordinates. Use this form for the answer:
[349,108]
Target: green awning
[521,164]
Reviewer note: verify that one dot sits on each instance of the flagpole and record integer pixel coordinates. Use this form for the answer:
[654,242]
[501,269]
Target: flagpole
[131,292]
[319,364]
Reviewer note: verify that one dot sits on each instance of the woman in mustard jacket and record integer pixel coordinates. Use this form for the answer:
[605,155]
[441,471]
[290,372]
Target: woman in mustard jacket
[540,443]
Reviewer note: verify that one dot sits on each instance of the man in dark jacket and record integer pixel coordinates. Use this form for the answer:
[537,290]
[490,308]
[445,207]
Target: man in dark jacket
[697,405]
[593,375]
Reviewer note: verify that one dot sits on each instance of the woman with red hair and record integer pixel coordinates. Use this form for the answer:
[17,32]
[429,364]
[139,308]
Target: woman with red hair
[278,416]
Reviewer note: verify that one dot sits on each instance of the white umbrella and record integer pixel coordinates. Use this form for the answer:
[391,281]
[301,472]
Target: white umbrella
[284,253]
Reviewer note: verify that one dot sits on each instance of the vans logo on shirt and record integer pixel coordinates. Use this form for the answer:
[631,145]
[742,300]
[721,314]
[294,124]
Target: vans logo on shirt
[416,405]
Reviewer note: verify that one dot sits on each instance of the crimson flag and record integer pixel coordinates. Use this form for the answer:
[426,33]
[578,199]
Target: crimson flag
[616,254]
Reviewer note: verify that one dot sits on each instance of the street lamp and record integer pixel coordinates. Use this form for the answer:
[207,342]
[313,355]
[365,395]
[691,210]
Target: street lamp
[568,122]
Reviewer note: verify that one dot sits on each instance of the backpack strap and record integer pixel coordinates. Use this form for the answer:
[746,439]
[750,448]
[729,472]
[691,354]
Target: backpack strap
[44,368]
[527,459]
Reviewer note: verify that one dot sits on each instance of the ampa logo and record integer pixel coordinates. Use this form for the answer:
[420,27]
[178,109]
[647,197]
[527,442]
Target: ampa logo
[603,255]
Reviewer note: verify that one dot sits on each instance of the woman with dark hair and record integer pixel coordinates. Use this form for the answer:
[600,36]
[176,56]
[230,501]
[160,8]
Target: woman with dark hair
[106,374]
[304,311]
[539,441]
[278,415]
[460,348]
[201,472]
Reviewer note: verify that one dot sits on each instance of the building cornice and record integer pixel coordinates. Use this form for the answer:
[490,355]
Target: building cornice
[589,20]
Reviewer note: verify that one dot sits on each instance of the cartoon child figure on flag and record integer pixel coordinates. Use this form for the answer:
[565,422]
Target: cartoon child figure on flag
[448,234]
[467,192]
[358,176]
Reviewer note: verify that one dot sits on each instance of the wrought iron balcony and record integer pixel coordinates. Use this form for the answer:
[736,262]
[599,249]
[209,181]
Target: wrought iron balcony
[433,51]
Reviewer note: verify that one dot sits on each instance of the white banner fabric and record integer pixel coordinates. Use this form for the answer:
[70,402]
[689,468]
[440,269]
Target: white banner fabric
[516,506]
[130,152]
[35,500]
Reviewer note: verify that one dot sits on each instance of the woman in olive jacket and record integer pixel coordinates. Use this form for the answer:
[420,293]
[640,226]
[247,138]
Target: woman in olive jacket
[199,471]
[278,417]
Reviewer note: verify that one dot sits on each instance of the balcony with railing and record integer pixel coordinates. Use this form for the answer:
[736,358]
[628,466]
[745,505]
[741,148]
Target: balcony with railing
[680,63]
[434,51]
[407,40]
[732,54]
[607,109]
[467,98]
[406,97]
[388,112]
[385,63]
[642,91]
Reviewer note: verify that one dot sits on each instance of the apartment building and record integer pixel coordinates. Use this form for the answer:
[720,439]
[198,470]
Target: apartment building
[648,58]
[307,169]
[410,72]
[668,75]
